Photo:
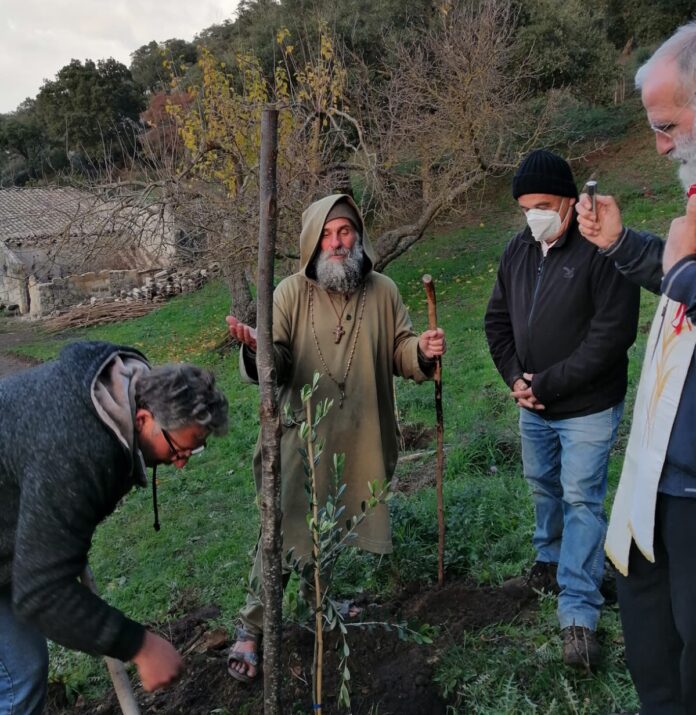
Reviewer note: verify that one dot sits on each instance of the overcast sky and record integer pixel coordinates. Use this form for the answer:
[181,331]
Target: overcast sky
[38,37]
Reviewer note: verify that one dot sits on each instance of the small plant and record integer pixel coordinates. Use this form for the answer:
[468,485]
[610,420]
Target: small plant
[331,538]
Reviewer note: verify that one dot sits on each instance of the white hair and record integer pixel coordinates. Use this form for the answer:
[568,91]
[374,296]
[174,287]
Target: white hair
[681,49]
[342,277]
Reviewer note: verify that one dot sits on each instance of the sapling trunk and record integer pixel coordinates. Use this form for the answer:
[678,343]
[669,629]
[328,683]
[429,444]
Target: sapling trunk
[316,554]
[331,537]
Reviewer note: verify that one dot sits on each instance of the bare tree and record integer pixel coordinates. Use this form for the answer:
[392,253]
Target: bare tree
[450,108]
[452,112]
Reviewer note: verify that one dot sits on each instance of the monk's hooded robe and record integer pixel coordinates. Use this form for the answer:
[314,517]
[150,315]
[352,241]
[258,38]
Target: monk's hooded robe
[364,429]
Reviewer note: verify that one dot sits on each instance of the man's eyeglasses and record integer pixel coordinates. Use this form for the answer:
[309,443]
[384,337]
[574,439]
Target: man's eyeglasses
[179,452]
[667,129]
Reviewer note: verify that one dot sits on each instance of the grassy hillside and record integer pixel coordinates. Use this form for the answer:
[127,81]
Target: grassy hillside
[209,522]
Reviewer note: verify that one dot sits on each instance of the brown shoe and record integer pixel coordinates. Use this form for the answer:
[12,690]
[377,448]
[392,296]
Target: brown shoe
[580,647]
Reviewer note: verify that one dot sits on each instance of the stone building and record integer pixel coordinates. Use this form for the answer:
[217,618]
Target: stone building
[59,246]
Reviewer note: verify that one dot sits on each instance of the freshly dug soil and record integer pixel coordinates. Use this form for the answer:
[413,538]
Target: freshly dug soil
[388,675]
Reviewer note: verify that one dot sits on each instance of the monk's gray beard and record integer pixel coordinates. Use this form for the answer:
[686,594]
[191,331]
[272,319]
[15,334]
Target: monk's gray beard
[343,277]
[685,153]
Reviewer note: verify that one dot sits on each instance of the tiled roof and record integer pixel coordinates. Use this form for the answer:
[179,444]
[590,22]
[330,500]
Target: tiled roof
[43,212]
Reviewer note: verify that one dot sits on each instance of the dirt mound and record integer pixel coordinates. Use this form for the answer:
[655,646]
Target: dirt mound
[387,673]
[461,606]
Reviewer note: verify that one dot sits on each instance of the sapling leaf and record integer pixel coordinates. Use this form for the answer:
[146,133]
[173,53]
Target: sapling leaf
[288,417]
[343,696]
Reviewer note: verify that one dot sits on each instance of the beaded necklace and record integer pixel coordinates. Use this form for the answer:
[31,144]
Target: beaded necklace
[342,384]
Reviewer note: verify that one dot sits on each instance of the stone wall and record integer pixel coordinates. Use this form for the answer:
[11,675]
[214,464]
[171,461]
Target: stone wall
[60,294]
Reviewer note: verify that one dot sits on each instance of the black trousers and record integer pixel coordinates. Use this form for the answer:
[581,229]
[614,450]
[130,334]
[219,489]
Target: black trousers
[657,603]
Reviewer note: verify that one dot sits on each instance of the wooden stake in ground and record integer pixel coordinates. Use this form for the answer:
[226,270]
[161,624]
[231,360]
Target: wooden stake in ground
[117,671]
[432,324]
[271,545]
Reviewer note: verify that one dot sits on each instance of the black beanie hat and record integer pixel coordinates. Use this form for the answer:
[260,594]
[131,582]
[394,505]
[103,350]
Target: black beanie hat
[543,172]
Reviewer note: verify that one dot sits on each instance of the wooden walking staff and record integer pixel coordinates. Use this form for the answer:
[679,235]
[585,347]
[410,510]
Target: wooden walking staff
[117,671]
[432,325]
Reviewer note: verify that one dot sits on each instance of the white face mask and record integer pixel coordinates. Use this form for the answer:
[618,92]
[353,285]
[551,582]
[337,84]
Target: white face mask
[545,224]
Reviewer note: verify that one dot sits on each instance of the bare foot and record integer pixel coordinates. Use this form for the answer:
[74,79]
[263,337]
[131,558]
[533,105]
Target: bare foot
[242,661]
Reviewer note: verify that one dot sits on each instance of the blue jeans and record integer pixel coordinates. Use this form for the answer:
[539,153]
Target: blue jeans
[565,462]
[23,664]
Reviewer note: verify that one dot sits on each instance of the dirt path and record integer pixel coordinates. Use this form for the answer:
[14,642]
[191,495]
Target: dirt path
[14,332]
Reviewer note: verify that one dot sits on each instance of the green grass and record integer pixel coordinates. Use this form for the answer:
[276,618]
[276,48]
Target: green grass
[516,669]
[209,522]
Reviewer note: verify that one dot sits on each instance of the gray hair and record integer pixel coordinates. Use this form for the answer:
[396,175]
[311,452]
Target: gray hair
[680,48]
[181,396]
[341,278]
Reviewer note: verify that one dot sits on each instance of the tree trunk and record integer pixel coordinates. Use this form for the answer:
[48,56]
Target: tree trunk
[270,420]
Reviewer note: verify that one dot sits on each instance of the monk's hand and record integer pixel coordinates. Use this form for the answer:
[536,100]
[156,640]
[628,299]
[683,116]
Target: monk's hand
[241,332]
[681,241]
[523,395]
[432,343]
[604,227]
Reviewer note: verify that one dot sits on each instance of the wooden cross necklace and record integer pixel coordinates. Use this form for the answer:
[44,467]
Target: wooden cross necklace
[339,330]
[342,384]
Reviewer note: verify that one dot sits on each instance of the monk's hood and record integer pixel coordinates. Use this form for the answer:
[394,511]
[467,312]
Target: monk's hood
[313,220]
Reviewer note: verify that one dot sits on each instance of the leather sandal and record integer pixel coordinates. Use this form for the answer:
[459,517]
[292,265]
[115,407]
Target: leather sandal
[247,657]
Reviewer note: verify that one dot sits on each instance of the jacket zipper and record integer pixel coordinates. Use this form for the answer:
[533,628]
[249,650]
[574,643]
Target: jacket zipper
[540,271]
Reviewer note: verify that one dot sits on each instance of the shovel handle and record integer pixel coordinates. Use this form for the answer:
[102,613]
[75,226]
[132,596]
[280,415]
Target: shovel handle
[117,671]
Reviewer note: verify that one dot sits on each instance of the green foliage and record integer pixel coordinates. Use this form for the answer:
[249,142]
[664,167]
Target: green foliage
[25,150]
[88,113]
[87,108]
[566,46]
[583,122]
[153,65]
[516,669]
[644,22]
[365,28]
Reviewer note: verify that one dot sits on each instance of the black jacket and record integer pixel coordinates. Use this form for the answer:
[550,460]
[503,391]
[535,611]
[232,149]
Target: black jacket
[568,319]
